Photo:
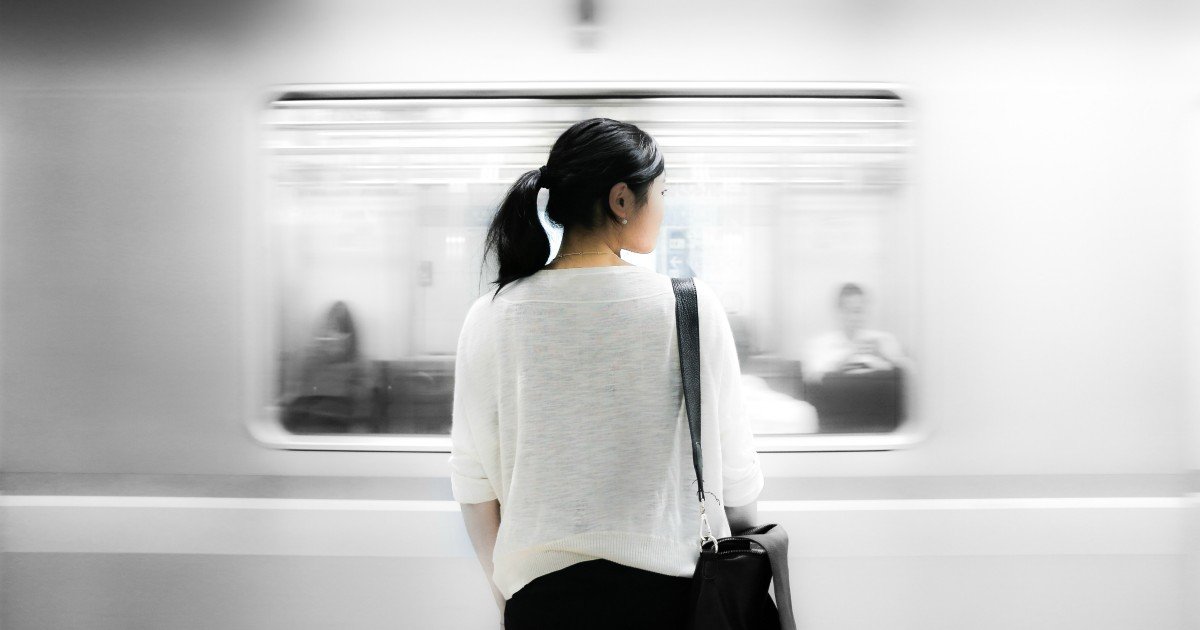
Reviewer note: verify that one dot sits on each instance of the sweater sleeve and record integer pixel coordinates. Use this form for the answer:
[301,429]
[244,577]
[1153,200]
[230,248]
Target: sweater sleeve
[473,402]
[742,476]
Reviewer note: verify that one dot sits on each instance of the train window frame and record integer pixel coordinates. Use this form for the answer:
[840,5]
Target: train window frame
[261,352]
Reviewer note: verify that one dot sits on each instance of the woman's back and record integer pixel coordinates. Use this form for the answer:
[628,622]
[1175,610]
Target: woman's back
[568,410]
[571,451]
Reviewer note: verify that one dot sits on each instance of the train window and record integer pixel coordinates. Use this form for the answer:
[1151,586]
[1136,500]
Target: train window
[790,200]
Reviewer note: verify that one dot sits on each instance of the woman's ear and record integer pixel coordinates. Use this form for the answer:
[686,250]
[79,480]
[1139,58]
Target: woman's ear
[620,199]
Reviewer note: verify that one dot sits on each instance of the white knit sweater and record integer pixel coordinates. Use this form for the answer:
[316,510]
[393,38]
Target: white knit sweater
[568,408]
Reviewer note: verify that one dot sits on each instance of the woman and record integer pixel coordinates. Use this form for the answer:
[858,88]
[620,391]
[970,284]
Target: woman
[332,393]
[571,453]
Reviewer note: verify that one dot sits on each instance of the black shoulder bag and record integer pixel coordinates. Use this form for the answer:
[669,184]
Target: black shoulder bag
[729,588]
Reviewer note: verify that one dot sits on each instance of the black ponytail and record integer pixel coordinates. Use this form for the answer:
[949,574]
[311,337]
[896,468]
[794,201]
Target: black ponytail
[521,243]
[587,160]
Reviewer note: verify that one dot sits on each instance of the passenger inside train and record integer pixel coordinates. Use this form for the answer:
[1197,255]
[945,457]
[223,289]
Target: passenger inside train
[332,391]
[852,348]
[855,375]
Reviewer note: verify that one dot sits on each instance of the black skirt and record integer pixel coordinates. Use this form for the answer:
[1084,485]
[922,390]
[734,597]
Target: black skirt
[599,594]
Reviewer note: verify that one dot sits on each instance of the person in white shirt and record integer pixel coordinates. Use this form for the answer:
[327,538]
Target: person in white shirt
[571,455]
[853,348]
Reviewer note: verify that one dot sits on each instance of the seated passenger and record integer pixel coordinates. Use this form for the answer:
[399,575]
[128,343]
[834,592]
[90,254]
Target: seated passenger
[332,392]
[852,349]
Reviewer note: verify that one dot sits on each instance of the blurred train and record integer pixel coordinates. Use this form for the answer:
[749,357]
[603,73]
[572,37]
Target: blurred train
[238,240]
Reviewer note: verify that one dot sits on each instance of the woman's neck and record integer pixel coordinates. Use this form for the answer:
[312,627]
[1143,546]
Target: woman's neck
[573,253]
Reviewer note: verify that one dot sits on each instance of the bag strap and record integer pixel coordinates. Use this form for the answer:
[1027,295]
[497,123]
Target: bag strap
[687,324]
[772,537]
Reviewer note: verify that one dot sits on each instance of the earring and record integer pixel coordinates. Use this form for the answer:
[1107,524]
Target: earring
[624,221]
